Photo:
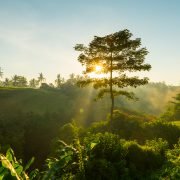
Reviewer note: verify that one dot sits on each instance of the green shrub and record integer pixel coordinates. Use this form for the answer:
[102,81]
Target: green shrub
[160,129]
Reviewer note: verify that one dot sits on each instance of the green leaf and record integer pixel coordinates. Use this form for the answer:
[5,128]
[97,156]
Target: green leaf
[33,174]
[7,164]
[10,155]
[29,163]
[68,158]
[18,168]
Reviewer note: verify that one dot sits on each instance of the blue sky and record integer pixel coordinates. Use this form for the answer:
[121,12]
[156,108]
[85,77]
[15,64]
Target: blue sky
[39,35]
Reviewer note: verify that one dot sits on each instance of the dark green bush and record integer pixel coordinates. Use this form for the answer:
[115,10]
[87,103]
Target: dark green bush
[132,127]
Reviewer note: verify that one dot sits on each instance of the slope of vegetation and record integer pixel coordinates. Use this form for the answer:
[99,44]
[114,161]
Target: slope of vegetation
[51,100]
[135,145]
[29,116]
[131,147]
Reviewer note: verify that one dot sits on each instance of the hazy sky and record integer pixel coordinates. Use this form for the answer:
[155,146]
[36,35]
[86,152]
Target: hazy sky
[39,35]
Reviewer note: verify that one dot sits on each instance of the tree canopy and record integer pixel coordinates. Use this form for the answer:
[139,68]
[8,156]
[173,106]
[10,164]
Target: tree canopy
[116,54]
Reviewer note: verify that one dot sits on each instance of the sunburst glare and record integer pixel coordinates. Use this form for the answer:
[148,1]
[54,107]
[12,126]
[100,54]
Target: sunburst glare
[97,72]
[98,68]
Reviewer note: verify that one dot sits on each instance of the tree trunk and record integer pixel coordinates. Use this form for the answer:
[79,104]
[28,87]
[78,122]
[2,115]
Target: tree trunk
[111,91]
[112,105]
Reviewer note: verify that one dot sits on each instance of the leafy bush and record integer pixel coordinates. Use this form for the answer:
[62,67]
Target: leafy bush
[160,129]
[172,168]
[101,156]
[106,156]
[67,164]
[132,127]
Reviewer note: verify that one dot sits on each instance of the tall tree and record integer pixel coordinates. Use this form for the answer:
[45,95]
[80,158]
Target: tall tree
[19,81]
[14,80]
[72,79]
[33,83]
[41,78]
[59,81]
[7,82]
[113,55]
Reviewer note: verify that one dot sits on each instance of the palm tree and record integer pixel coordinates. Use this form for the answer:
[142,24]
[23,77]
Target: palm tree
[41,78]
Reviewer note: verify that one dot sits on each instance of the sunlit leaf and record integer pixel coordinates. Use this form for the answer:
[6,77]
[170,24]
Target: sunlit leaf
[93,145]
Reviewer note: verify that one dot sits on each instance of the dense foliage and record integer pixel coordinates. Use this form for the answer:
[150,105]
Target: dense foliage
[136,145]
[106,156]
[29,116]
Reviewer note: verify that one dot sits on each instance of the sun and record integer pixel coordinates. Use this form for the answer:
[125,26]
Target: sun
[98,68]
[97,73]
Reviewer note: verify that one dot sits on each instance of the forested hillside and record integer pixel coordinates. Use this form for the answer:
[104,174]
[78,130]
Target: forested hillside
[151,99]
[32,115]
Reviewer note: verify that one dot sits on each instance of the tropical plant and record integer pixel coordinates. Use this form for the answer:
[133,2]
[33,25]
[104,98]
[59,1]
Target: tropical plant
[68,163]
[10,167]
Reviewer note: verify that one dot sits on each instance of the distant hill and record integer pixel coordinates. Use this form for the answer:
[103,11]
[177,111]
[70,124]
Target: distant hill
[74,102]
[31,100]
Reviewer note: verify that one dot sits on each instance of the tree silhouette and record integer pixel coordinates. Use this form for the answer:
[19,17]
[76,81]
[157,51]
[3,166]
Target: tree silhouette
[33,83]
[7,82]
[117,54]
[59,81]
[41,78]
[19,81]
[14,80]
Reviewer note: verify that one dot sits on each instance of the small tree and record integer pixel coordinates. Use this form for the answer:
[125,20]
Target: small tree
[59,81]
[7,82]
[19,81]
[114,54]
[15,80]
[33,83]
[41,78]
